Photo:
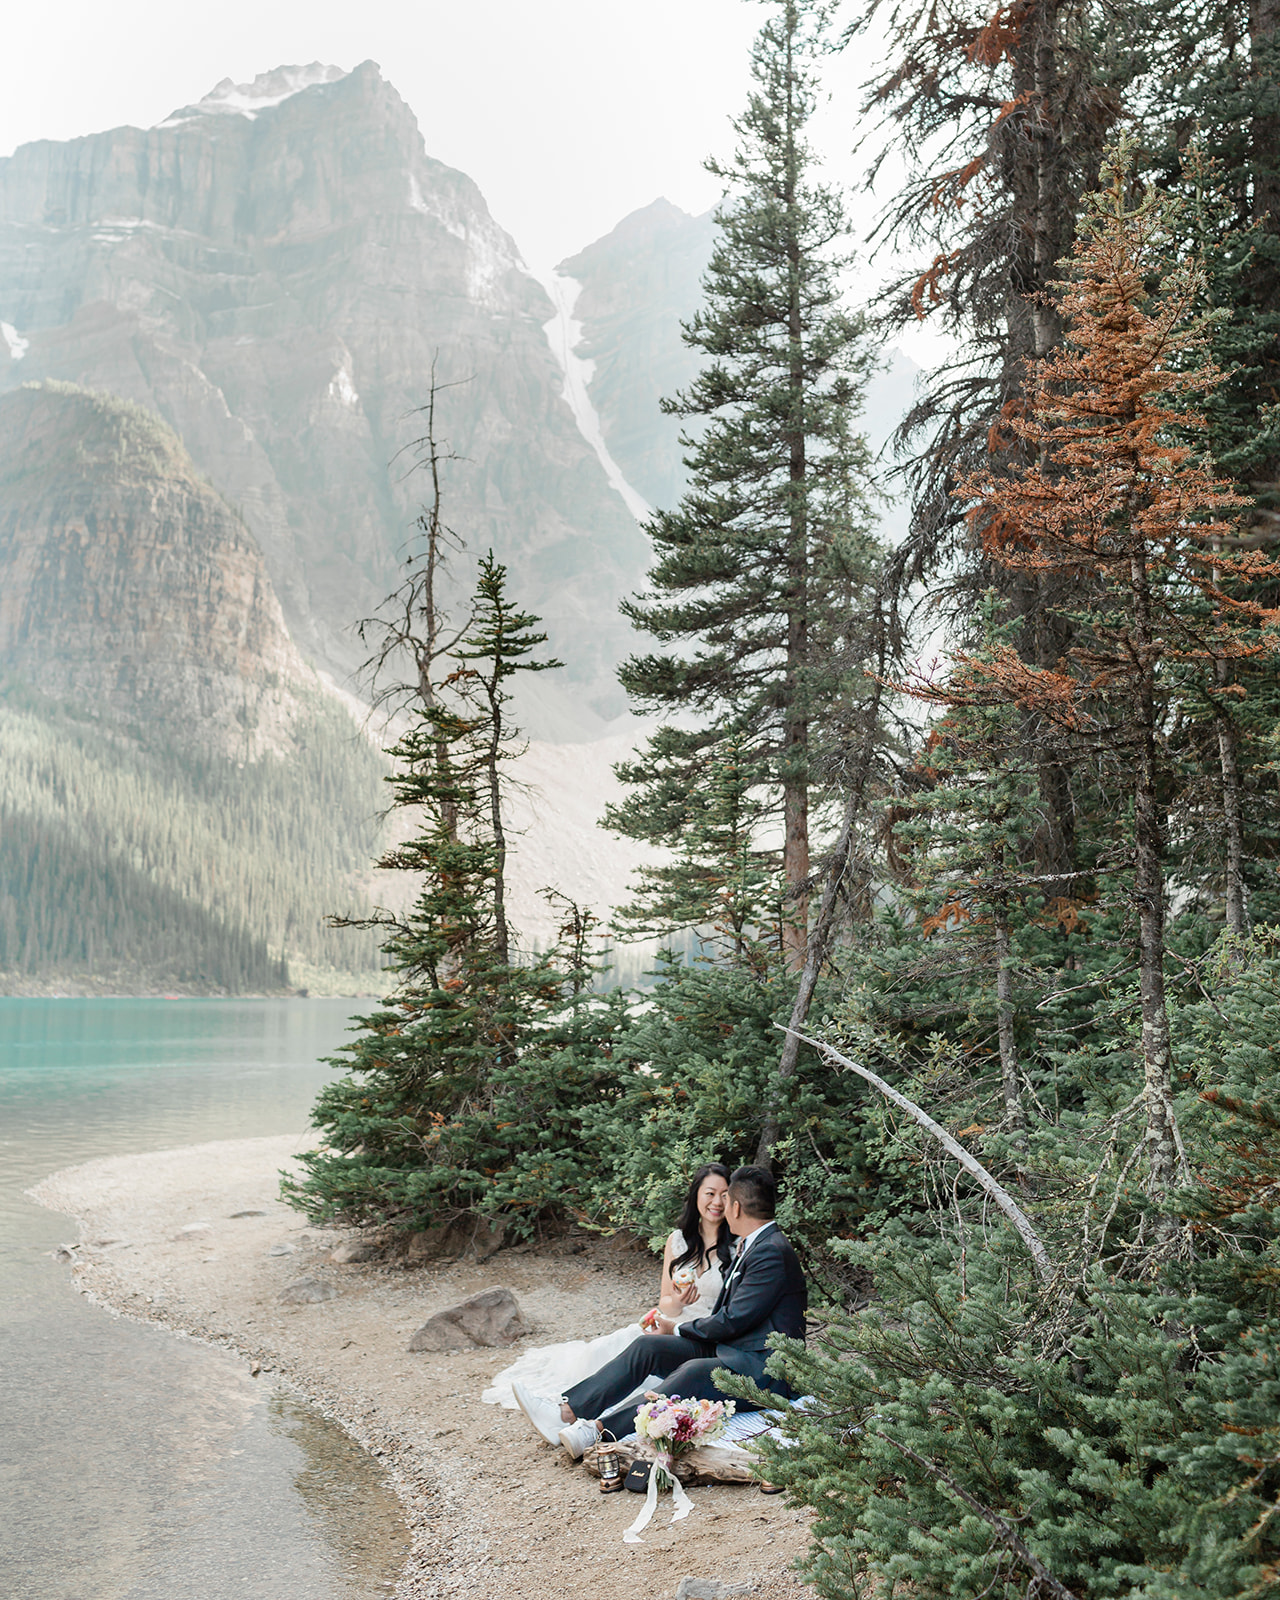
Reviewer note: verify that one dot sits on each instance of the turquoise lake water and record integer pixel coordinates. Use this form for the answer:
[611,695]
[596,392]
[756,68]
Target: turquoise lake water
[135,1465]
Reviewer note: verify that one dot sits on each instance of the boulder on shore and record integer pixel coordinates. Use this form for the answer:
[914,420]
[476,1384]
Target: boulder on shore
[353,1250]
[489,1318]
[307,1292]
[464,1236]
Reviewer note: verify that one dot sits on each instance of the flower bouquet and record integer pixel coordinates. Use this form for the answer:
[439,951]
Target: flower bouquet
[673,1427]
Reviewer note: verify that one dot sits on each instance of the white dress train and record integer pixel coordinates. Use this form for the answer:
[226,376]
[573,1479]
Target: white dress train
[550,1369]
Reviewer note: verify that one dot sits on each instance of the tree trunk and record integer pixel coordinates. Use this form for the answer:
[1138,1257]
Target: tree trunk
[1050,210]
[1232,800]
[1264,25]
[860,764]
[501,934]
[1233,823]
[1029,146]
[815,955]
[1010,1083]
[1149,894]
[795,738]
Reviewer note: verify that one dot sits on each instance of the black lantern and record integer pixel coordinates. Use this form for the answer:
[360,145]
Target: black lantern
[611,1475]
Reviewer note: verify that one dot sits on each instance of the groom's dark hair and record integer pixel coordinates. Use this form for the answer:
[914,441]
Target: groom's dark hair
[755,1191]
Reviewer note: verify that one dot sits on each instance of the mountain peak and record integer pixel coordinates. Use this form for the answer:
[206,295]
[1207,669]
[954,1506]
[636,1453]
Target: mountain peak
[268,89]
[659,225]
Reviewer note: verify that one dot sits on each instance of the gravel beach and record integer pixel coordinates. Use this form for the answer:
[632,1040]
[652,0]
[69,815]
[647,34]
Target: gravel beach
[197,1240]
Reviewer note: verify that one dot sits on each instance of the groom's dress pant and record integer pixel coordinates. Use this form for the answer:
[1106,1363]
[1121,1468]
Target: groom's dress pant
[684,1366]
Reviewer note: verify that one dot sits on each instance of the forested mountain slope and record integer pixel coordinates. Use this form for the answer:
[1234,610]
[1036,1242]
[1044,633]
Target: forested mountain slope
[129,587]
[132,866]
[180,803]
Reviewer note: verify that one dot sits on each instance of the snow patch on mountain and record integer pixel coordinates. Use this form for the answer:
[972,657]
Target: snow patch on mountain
[17,344]
[564,334]
[343,390]
[268,89]
[491,253]
[417,203]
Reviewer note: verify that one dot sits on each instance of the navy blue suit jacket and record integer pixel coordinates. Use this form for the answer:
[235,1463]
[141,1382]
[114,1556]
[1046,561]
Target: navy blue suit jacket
[766,1293]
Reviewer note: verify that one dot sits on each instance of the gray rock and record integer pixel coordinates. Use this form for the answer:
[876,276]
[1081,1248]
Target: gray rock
[486,1240]
[711,1589]
[282,1250]
[489,1318]
[351,1250]
[237,1214]
[468,1236]
[193,1230]
[307,1292]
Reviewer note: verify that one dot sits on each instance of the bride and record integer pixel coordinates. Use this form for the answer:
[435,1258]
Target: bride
[694,1263]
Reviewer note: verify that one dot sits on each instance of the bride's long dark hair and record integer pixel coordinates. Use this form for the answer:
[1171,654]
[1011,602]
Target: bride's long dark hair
[690,1223]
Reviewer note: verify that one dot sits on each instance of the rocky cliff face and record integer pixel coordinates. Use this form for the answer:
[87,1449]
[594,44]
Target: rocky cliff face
[274,271]
[638,283]
[129,588]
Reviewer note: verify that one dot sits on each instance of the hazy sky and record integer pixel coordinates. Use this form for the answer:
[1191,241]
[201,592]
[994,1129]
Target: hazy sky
[568,113]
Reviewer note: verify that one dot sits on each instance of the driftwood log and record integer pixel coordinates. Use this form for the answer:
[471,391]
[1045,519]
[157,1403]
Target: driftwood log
[708,1465]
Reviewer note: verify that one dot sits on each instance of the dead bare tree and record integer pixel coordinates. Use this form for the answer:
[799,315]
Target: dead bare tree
[411,630]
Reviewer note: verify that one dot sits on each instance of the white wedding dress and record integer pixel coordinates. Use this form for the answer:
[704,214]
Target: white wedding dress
[553,1368]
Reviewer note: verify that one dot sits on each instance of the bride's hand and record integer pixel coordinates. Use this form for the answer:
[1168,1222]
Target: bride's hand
[688,1294]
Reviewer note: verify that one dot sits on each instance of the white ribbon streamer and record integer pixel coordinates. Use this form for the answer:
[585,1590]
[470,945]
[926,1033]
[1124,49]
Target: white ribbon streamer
[681,1503]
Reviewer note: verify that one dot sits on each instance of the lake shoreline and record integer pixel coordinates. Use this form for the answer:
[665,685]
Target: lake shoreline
[90,988]
[197,1241]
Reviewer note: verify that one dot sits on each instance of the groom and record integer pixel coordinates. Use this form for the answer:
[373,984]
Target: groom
[764,1293]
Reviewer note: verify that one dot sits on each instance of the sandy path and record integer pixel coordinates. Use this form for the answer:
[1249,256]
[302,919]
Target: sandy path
[493,1510]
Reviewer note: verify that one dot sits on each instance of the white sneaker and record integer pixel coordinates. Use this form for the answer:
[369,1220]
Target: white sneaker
[578,1437]
[543,1413]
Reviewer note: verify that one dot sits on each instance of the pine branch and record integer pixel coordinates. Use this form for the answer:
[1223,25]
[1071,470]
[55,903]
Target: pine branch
[1048,1583]
[1045,1267]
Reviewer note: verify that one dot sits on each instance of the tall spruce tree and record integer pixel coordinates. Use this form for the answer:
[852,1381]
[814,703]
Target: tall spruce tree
[1139,527]
[1214,92]
[765,568]
[1003,112]
[962,842]
[465,1087]
[1212,96]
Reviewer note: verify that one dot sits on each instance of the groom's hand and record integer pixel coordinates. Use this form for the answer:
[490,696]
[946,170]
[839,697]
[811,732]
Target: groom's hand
[665,1325]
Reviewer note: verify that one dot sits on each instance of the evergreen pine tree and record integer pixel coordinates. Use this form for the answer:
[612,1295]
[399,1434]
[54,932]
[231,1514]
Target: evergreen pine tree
[764,569]
[1003,114]
[962,840]
[980,1432]
[1228,826]
[1211,122]
[720,884]
[466,1086]
[1138,527]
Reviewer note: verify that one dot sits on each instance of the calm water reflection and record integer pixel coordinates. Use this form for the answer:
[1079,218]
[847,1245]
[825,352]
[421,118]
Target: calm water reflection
[132,1464]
